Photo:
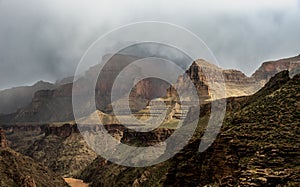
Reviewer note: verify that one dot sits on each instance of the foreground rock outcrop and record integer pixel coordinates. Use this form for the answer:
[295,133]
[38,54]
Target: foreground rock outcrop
[62,149]
[19,170]
[20,137]
[59,146]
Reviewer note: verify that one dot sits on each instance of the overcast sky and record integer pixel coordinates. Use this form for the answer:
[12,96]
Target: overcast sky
[42,39]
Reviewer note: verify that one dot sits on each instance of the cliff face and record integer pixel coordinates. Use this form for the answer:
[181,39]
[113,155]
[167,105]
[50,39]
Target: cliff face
[21,137]
[150,88]
[145,89]
[63,131]
[212,82]
[132,137]
[237,83]
[61,148]
[15,98]
[270,68]
[195,74]
[47,106]
[56,105]
[58,146]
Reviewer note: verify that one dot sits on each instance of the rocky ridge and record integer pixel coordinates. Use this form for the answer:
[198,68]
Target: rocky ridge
[56,105]
[19,170]
[270,68]
[15,98]
[62,149]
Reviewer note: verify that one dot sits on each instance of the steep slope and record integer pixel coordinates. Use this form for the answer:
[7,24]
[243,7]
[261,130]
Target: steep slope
[15,98]
[21,137]
[47,106]
[270,68]
[237,83]
[62,149]
[18,170]
[258,146]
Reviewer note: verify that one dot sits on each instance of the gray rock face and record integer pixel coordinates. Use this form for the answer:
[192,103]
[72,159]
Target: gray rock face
[15,98]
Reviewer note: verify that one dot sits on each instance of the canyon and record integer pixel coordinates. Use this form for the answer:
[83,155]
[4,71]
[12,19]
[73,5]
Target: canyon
[257,144]
[55,105]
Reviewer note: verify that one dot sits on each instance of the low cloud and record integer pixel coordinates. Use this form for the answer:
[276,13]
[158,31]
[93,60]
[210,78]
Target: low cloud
[42,39]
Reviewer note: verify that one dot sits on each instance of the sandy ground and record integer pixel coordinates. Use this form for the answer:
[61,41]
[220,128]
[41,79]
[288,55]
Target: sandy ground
[75,182]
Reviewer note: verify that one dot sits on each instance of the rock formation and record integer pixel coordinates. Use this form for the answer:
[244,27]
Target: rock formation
[3,141]
[15,98]
[204,75]
[63,131]
[195,74]
[62,149]
[20,137]
[19,170]
[270,68]
[56,105]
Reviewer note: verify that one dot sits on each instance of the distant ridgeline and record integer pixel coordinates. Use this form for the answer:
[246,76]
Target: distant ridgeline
[53,103]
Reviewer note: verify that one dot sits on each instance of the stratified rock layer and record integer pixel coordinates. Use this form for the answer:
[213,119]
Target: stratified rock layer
[56,105]
[15,98]
[62,149]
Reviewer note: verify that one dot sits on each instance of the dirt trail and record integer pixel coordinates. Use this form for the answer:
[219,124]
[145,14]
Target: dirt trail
[75,182]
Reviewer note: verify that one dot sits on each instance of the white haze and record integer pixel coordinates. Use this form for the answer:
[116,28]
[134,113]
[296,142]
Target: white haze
[41,39]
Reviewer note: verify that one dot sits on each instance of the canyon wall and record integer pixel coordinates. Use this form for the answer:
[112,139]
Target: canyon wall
[15,98]
[56,105]
[257,146]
